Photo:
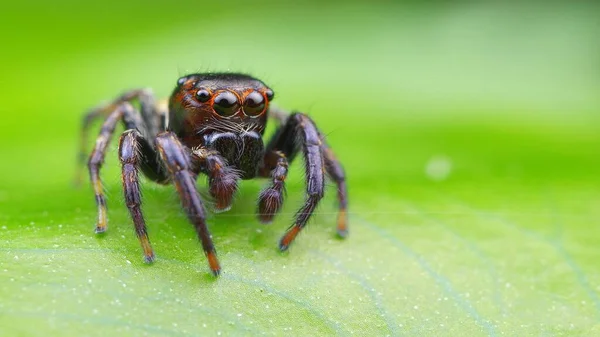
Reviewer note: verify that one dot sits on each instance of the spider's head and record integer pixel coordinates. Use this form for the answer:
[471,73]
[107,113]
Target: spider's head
[217,99]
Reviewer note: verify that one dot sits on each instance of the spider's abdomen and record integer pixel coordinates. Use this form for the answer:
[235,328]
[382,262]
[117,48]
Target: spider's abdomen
[244,151]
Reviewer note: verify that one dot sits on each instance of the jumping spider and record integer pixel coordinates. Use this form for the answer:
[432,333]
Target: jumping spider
[213,124]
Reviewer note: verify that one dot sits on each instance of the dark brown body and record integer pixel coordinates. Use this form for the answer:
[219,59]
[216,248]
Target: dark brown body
[213,125]
[238,137]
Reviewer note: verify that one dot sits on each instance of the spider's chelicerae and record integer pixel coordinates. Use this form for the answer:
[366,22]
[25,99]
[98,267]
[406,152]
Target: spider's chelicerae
[212,124]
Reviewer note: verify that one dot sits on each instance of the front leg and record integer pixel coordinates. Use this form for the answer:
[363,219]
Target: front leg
[177,161]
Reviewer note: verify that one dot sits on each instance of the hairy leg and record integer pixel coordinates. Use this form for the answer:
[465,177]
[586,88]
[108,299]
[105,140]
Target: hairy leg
[333,167]
[299,126]
[151,115]
[124,112]
[177,161]
[134,151]
[97,159]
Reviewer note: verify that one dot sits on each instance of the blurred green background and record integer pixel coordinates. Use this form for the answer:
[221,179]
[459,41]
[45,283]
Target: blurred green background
[470,133]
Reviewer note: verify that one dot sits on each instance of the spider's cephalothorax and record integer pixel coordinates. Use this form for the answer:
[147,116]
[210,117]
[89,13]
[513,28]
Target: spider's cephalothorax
[213,124]
[224,112]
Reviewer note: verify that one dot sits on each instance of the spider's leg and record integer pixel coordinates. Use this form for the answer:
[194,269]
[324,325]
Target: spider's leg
[87,121]
[333,168]
[278,115]
[162,111]
[132,120]
[275,166]
[97,159]
[336,173]
[300,126]
[177,161]
[222,178]
[136,152]
[153,115]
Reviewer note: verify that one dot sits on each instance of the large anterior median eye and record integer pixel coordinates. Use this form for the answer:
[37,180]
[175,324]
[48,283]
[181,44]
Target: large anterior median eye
[254,104]
[226,104]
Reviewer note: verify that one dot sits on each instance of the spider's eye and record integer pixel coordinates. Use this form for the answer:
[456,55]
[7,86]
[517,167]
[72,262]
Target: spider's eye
[269,94]
[181,80]
[226,104]
[203,95]
[254,104]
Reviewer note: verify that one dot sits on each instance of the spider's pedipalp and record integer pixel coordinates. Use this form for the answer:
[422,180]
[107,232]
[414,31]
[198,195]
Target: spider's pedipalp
[270,200]
[222,177]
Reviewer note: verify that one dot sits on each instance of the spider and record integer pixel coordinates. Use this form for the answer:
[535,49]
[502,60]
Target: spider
[213,124]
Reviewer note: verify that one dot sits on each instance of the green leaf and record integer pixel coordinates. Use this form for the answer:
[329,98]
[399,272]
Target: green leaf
[472,211]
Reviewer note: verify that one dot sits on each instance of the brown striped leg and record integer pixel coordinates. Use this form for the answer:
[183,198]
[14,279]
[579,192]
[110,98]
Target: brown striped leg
[132,151]
[275,165]
[285,140]
[222,178]
[177,161]
[150,114]
[124,111]
[95,162]
[87,121]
